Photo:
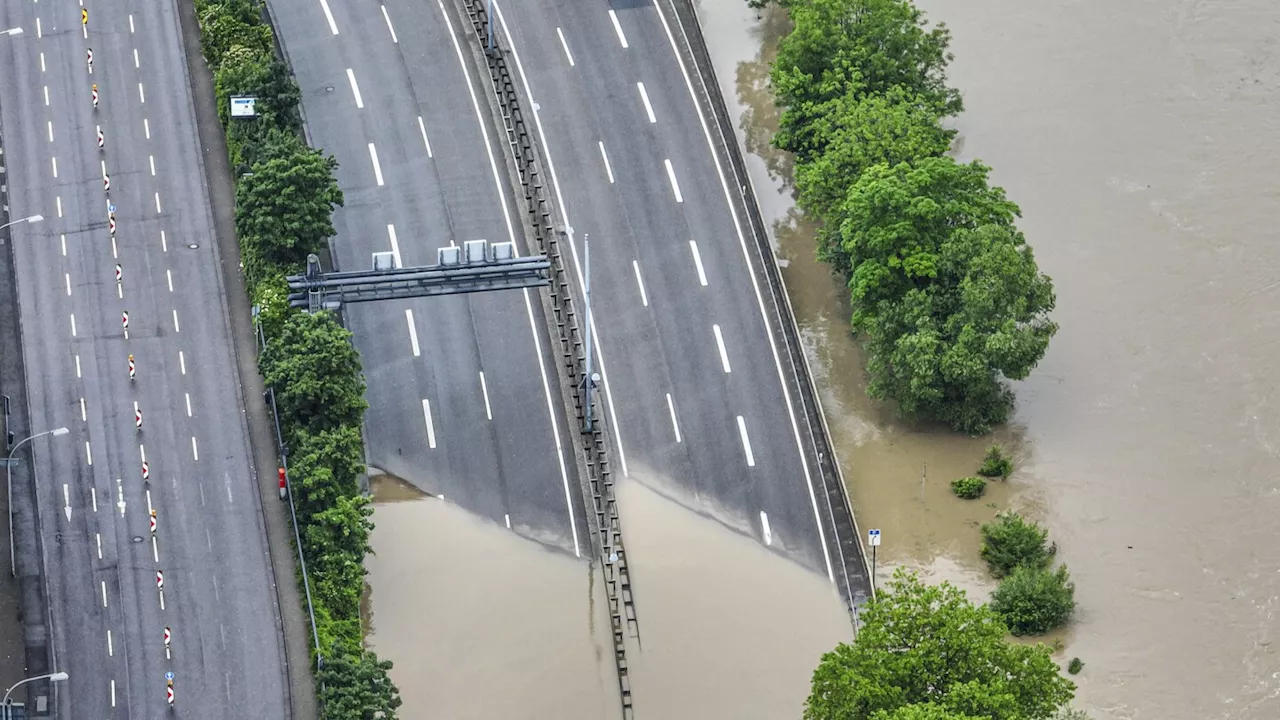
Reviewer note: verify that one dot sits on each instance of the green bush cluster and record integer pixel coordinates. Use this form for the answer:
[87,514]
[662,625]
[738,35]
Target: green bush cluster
[1031,598]
[969,488]
[1009,541]
[285,196]
[996,464]
[945,290]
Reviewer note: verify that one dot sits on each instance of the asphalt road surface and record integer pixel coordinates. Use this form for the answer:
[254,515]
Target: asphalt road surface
[462,391]
[109,609]
[693,381]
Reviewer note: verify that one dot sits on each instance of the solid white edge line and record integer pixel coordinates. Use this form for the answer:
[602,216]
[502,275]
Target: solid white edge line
[564,214]
[431,428]
[671,407]
[724,354]
[328,15]
[533,325]
[395,245]
[607,167]
[644,297]
[644,98]
[746,442]
[355,88]
[377,168]
[564,44]
[484,390]
[697,262]
[413,332]
[617,26]
[675,184]
[755,284]
[387,17]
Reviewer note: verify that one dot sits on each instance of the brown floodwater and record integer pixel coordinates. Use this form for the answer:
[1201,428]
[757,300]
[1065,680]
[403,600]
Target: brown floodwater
[1140,139]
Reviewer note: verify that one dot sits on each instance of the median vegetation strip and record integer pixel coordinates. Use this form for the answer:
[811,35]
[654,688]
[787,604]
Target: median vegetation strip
[285,195]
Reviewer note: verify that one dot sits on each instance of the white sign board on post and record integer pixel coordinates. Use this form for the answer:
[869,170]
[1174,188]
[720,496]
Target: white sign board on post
[243,107]
[873,537]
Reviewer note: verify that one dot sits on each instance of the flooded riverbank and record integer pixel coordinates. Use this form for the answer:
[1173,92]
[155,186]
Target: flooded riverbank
[1138,140]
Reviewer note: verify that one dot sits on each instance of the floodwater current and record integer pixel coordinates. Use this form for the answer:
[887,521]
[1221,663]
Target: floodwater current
[1140,139]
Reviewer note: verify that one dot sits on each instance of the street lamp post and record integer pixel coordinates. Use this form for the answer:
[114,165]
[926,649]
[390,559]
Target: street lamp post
[51,677]
[28,219]
[13,563]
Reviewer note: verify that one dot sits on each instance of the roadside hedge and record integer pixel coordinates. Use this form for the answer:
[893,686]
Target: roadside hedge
[945,292]
[285,196]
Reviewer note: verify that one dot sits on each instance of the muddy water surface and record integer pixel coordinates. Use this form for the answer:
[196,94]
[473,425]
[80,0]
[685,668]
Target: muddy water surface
[1140,139]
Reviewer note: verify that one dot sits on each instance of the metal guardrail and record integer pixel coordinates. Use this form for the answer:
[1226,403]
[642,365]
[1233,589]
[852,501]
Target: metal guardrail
[848,541]
[613,555]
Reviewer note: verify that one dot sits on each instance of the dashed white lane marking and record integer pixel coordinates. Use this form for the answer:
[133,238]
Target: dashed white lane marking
[93,496]
[115,252]
[39,30]
[142,97]
[62,239]
[168,275]
[507,517]
[98,537]
[142,451]
[84,415]
[46,90]
[413,333]
[155,549]
[110,650]
[697,262]
[724,356]
[58,201]
[104,593]
[46,87]
[644,97]
[431,428]
[746,442]
[77,366]
[135,58]
[175,321]
[395,246]
[617,26]
[484,390]
[329,16]
[644,297]
[671,408]
[195,452]
[182,362]
[55,166]
[158,211]
[187,396]
[68,276]
[565,45]
[103,165]
[764,525]
[355,89]
[377,167]
[73,325]
[607,167]
[152,160]
[422,127]
[146,127]
[113,693]
[675,184]
[164,242]
[50,124]
[387,17]
[130,24]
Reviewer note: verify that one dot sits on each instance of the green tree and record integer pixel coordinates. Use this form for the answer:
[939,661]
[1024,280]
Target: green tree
[354,685]
[1009,542]
[996,464]
[859,131]
[1035,600]
[929,644]
[285,205]
[315,371]
[921,711]
[325,465]
[863,46]
[260,75]
[969,488]
[228,24]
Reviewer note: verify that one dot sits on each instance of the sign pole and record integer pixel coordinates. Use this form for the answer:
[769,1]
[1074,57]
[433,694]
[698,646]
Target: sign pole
[873,539]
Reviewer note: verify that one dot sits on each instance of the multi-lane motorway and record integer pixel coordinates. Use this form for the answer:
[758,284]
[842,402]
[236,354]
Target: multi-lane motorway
[463,400]
[165,441]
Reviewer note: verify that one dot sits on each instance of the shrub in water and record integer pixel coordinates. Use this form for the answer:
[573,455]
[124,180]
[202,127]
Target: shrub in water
[1075,666]
[996,464]
[1009,541]
[1034,600]
[969,488]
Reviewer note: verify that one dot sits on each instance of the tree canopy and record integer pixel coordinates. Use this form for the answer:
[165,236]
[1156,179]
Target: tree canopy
[1009,541]
[286,203]
[315,371]
[926,652]
[355,686]
[1034,600]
